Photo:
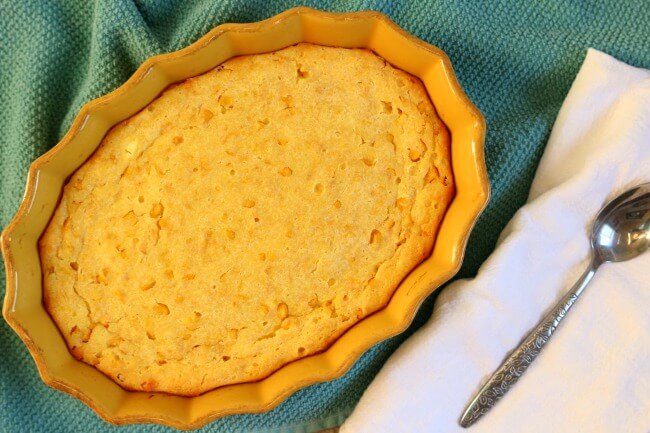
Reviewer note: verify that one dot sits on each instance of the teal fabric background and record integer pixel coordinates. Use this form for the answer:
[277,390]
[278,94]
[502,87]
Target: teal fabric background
[515,59]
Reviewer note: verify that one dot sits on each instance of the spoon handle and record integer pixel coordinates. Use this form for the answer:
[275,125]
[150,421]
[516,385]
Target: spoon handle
[520,359]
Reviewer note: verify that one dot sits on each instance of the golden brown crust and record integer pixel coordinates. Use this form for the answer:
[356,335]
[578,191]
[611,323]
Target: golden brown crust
[246,218]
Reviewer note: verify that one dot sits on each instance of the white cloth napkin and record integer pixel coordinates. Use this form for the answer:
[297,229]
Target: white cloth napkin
[594,376]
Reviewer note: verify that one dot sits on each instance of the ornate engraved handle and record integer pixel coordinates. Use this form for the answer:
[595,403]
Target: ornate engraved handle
[520,359]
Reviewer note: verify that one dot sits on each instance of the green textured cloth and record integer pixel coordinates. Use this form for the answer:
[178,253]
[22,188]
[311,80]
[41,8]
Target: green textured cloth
[515,59]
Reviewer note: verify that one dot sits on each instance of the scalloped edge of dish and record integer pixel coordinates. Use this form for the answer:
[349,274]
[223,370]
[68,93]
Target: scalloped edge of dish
[473,195]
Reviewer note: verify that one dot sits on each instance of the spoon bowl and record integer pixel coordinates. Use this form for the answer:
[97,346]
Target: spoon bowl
[622,228]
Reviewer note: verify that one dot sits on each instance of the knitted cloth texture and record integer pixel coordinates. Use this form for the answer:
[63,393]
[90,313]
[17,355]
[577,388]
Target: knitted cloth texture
[516,61]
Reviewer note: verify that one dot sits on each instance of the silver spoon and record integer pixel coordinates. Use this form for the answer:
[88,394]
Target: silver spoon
[621,232]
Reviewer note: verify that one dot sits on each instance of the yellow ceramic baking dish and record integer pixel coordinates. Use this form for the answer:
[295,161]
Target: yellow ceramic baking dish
[23,307]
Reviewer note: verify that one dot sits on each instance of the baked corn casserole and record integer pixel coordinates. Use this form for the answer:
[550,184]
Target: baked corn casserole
[246,218]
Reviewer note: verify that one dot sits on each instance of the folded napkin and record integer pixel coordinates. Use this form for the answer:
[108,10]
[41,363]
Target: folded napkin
[594,376]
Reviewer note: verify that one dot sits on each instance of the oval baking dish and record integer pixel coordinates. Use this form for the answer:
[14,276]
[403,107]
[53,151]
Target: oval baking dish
[23,306]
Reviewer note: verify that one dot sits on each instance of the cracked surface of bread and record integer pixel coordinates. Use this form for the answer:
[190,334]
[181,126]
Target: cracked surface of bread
[246,218]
